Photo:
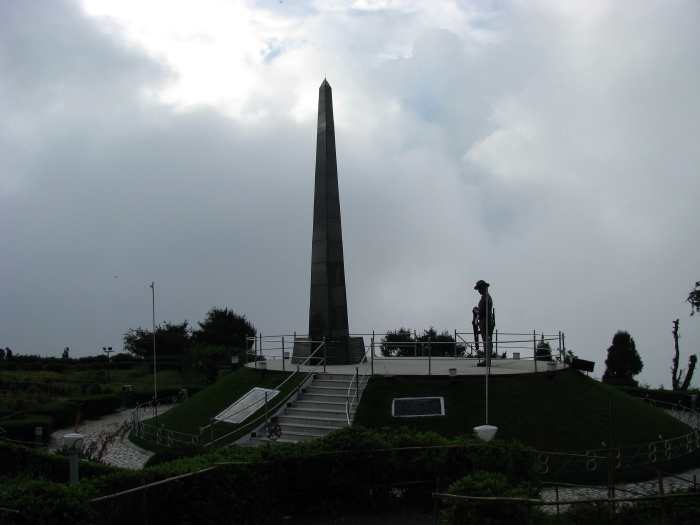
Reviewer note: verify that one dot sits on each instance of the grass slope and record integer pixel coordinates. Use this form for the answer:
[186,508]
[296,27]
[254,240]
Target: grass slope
[198,410]
[564,411]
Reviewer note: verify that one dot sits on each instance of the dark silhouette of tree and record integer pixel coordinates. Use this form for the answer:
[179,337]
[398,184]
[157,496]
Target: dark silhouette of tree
[398,343]
[441,344]
[544,350]
[623,362]
[172,340]
[678,382]
[404,343]
[694,299]
[205,360]
[225,328]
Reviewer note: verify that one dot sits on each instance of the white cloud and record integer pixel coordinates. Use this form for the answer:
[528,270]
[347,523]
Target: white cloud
[547,148]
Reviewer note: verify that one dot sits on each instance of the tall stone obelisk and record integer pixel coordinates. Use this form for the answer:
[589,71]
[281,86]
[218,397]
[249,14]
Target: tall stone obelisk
[328,309]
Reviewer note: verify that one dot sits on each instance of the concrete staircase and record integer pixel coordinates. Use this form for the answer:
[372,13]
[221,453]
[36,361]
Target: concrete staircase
[319,409]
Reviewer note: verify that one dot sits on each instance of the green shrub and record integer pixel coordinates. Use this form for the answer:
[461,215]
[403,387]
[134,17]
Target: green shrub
[25,429]
[18,460]
[93,407]
[63,412]
[40,502]
[182,451]
[486,484]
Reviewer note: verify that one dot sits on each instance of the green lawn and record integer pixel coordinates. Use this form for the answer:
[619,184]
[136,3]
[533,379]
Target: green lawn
[561,412]
[565,411]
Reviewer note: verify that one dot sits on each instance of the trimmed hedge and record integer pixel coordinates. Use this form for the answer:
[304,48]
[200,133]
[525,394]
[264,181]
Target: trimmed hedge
[25,429]
[669,396]
[17,460]
[63,412]
[93,407]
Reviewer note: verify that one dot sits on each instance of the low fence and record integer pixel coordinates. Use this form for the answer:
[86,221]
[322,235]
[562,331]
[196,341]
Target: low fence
[464,344]
[155,434]
[644,455]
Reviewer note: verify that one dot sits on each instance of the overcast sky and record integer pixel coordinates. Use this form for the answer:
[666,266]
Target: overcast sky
[550,148]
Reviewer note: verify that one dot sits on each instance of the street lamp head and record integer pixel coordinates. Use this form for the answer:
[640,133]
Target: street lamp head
[73,442]
[486,432]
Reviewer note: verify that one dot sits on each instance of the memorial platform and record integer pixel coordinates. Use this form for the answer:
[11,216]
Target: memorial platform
[423,366]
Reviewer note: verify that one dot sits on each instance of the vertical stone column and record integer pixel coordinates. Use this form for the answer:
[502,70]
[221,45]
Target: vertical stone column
[328,309]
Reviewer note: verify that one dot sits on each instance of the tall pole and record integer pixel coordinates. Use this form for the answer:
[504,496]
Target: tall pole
[487,354]
[155,383]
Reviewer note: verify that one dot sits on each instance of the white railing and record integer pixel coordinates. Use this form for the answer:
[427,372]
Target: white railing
[353,398]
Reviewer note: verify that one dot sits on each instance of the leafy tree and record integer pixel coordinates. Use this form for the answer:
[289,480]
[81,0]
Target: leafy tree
[544,350]
[404,343]
[694,299]
[172,340]
[398,343]
[442,344]
[205,360]
[623,362]
[224,327]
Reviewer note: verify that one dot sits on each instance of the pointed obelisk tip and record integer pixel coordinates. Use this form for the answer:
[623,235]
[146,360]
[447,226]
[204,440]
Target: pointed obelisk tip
[325,83]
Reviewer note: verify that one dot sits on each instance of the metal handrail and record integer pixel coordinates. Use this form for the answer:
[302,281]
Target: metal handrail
[357,381]
[263,418]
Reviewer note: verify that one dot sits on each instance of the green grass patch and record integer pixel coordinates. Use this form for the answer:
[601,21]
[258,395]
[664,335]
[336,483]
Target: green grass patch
[564,411]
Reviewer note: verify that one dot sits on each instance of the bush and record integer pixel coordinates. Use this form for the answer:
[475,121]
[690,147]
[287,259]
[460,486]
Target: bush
[182,451]
[93,407]
[63,412]
[59,503]
[25,429]
[492,485]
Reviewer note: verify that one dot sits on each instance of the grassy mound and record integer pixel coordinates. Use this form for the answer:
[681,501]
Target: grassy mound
[563,411]
[198,410]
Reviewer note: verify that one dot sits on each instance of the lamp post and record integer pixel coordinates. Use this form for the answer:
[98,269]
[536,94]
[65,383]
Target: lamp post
[487,432]
[108,351]
[73,442]
[155,380]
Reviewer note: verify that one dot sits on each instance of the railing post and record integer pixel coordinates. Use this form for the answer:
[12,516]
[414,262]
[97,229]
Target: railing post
[534,347]
[430,354]
[266,407]
[372,356]
[283,354]
[495,343]
[563,346]
[357,381]
[324,355]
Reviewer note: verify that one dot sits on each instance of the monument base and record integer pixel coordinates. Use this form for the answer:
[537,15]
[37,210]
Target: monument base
[346,351]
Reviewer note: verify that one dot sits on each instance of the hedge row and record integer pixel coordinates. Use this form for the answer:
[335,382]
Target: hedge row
[58,414]
[669,396]
[350,470]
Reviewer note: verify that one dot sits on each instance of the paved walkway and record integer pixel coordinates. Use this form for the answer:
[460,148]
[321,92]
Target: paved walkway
[122,453]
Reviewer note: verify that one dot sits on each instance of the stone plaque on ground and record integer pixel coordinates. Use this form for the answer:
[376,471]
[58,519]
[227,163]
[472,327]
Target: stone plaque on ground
[418,406]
